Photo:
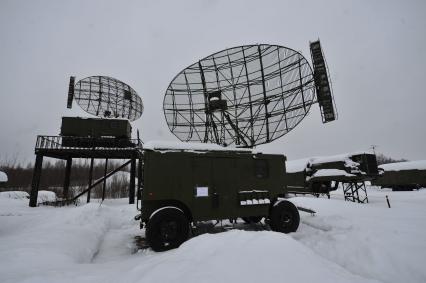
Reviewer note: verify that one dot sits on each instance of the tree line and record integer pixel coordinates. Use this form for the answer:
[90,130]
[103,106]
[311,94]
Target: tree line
[53,174]
[382,159]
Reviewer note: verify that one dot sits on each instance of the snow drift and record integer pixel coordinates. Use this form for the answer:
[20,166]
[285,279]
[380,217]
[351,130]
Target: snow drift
[344,242]
[409,165]
[3,177]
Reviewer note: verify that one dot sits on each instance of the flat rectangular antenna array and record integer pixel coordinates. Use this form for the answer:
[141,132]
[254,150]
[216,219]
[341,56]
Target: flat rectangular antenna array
[70,92]
[322,84]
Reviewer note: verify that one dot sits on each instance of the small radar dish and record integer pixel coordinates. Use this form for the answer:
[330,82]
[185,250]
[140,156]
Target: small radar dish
[105,97]
[242,96]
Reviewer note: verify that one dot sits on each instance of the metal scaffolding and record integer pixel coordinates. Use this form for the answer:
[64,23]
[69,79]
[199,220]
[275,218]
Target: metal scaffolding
[51,146]
[355,192]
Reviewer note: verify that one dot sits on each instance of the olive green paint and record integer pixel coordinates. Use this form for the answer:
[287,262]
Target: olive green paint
[171,178]
[95,127]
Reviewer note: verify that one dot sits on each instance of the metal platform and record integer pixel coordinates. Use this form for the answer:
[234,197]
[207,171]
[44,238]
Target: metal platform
[93,148]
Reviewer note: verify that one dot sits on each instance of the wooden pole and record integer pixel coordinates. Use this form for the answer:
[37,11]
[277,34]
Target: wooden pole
[387,200]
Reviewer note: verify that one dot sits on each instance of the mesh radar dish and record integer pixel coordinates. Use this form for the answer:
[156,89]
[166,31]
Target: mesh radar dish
[242,96]
[105,97]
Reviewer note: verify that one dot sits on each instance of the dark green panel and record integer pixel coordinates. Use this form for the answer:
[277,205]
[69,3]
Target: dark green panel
[95,127]
[208,184]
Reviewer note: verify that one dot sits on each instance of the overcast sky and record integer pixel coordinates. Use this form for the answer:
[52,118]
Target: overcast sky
[375,51]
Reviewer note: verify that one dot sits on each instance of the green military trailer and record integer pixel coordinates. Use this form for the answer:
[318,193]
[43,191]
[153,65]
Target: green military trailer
[189,183]
[98,132]
[402,176]
[320,175]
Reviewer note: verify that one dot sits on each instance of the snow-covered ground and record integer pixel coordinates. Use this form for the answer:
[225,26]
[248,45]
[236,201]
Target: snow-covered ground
[343,242]
[43,196]
[408,165]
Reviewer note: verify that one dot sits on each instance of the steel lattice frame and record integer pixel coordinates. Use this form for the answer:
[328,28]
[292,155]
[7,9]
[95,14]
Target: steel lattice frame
[268,90]
[108,97]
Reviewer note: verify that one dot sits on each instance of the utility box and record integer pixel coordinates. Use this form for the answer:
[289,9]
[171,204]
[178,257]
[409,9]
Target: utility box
[87,132]
[200,185]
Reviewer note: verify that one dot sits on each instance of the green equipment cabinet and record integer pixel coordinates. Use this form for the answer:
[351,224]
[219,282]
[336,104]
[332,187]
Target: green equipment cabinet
[99,132]
[181,187]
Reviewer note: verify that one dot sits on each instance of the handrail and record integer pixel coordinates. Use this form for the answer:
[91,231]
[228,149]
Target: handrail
[71,142]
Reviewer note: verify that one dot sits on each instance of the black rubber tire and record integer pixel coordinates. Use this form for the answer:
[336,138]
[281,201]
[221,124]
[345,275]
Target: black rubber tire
[167,229]
[252,219]
[284,217]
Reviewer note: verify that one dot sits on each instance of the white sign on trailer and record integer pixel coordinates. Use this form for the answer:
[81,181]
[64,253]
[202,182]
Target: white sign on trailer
[202,192]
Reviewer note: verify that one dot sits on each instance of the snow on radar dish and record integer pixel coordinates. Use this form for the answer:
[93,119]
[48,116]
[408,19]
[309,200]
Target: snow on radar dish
[242,96]
[105,97]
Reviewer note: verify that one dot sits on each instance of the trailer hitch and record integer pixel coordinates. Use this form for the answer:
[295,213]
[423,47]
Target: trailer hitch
[312,212]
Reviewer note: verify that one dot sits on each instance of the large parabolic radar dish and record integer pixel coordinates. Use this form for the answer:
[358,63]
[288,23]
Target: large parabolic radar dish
[242,96]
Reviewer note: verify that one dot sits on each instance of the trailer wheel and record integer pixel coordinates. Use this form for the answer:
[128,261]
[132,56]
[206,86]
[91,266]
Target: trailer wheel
[167,229]
[252,219]
[284,217]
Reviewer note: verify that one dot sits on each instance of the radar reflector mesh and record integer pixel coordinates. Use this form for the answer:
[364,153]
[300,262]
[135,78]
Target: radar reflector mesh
[242,96]
[108,97]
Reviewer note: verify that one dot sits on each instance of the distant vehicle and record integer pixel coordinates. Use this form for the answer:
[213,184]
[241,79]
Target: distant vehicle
[402,176]
[184,185]
[320,175]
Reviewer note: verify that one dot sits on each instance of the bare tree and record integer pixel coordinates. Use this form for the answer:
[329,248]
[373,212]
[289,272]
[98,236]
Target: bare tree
[382,159]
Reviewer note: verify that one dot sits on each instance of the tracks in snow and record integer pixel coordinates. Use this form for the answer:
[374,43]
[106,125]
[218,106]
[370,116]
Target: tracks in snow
[118,240]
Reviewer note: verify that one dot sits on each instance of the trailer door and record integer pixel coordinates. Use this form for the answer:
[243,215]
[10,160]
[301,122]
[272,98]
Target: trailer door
[202,188]
[214,187]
